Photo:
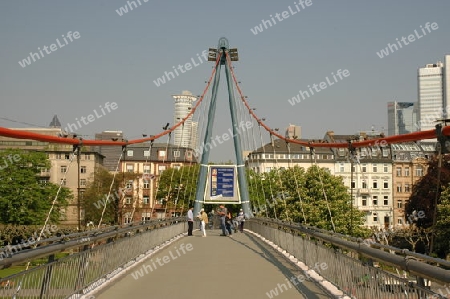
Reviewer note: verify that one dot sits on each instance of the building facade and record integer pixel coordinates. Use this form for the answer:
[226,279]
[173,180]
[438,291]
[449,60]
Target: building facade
[410,162]
[402,118]
[139,200]
[64,169]
[184,135]
[367,173]
[430,95]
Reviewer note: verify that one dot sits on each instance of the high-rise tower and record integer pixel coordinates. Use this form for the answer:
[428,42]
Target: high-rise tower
[431,95]
[183,135]
[402,118]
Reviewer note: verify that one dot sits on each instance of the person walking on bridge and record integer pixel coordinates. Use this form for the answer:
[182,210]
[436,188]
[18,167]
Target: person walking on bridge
[222,214]
[203,221]
[190,221]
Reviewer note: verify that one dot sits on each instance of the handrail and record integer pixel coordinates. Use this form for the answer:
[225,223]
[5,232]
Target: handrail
[402,259]
[53,245]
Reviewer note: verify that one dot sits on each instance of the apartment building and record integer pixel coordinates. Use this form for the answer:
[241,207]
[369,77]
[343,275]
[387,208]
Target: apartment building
[64,167]
[139,201]
[410,162]
[367,172]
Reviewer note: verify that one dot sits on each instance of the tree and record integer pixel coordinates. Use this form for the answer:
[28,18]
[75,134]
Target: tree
[424,191]
[177,187]
[443,224]
[24,200]
[313,197]
[95,198]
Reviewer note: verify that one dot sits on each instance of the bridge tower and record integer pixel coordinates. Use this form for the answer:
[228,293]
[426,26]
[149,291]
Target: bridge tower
[224,54]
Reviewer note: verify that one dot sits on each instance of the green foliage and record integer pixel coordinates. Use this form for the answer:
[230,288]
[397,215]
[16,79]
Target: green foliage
[297,195]
[23,199]
[443,224]
[178,186]
[95,198]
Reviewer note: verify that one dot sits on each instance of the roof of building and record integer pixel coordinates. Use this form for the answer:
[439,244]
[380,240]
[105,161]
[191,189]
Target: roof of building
[55,123]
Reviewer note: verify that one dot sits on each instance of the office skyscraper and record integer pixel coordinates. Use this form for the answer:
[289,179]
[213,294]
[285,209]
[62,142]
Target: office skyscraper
[183,135]
[402,118]
[431,95]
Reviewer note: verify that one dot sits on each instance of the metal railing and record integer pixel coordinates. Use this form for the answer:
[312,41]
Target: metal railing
[350,263]
[99,254]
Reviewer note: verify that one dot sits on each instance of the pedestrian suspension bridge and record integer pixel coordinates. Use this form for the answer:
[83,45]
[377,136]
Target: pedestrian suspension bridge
[272,258]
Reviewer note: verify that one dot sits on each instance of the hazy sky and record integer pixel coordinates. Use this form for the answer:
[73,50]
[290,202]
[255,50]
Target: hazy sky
[117,58]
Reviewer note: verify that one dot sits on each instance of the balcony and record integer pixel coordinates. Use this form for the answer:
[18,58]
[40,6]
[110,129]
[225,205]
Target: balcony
[363,191]
[45,173]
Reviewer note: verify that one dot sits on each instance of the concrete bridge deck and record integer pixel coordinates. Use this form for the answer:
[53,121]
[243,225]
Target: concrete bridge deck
[240,266]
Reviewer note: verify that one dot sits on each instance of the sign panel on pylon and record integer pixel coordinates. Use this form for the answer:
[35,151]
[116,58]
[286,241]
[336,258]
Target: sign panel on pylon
[221,185]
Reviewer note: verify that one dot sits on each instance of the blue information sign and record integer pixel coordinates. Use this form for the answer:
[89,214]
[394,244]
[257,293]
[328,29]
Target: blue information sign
[222,181]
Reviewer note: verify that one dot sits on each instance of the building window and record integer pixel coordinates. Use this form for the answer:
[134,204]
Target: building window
[353,168]
[353,185]
[385,168]
[130,153]
[407,188]
[58,156]
[146,168]
[268,169]
[146,185]
[176,166]
[398,171]
[386,185]
[82,182]
[145,217]
[341,167]
[364,168]
[374,168]
[146,153]
[83,169]
[130,167]
[63,169]
[375,200]
[399,204]
[406,171]
[375,219]
[161,168]
[399,188]
[161,154]
[146,200]
[375,184]
[364,185]
[419,170]
[67,156]
[385,200]
[399,221]
[385,152]
[127,218]
[363,152]
[189,155]
[128,200]
[176,154]
[43,181]
[129,185]
[87,157]
[364,201]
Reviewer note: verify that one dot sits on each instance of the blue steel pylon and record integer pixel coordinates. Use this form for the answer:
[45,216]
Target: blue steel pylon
[223,51]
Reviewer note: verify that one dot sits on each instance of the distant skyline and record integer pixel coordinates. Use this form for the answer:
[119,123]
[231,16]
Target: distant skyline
[93,55]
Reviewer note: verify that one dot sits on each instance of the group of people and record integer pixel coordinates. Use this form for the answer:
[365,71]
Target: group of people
[202,216]
[226,221]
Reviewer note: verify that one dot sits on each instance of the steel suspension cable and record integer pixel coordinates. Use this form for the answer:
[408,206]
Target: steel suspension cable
[288,145]
[111,186]
[323,188]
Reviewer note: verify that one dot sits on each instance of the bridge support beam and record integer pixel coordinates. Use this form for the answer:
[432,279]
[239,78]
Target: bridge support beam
[223,51]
